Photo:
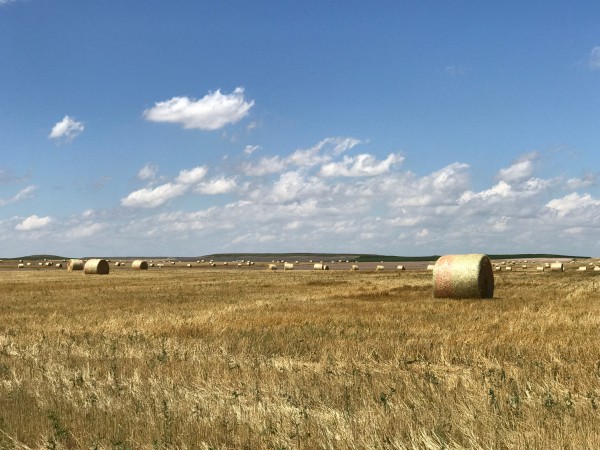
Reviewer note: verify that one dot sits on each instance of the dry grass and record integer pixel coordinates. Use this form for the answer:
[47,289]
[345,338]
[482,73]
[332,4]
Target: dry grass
[307,360]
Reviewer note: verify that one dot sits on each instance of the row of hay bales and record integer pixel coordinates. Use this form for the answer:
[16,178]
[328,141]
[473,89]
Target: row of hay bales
[97,266]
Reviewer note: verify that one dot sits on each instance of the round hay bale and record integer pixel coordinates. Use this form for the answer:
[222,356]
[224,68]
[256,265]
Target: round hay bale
[28,263]
[596,267]
[288,266]
[20,265]
[272,267]
[139,264]
[188,265]
[430,266]
[354,267]
[58,265]
[151,265]
[463,276]
[96,267]
[582,269]
[318,266]
[524,266]
[325,267]
[212,264]
[540,268]
[557,267]
[378,268]
[508,268]
[75,264]
[401,267]
[497,268]
[225,263]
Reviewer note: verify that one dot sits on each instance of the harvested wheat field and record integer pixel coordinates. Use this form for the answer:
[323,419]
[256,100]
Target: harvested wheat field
[236,359]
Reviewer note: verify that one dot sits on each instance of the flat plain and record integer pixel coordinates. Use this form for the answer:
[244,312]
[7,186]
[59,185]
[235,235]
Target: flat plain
[257,359]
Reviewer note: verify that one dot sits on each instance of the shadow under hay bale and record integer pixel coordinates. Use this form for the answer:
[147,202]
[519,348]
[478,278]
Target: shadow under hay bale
[463,276]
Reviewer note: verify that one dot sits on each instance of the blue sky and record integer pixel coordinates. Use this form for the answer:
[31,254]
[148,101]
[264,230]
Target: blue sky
[192,127]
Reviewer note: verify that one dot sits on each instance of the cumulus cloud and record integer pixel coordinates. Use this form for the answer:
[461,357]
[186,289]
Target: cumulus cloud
[153,197]
[191,176]
[518,171]
[594,59]
[86,230]
[220,185]
[33,223]
[66,130]
[572,202]
[212,112]
[148,172]
[363,165]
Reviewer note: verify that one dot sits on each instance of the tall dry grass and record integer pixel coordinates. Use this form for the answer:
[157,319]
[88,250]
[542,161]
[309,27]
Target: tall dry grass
[296,360]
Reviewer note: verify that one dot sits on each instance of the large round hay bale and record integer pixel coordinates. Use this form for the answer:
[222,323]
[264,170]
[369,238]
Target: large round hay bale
[139,264]
[75,264]
[318,266]
[96,267]
[401,267]
[463,276]
[557,267]
[288,266]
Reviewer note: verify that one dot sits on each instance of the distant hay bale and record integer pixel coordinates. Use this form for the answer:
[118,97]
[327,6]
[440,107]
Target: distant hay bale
[188,265]
[151,265]
[272,267]
[524,266]
[547,265]
[582,269]
[58,265]
[318,266]
[139,264]
[540,268]
[463,276]
[96,267]
[596,267]
[354,267]
[508,268]
[378,268]
[225,263]
[117,264]
[400,267]
[20,265]
[497,268]
[430,266]
[40,264]
[28,263]
[212,264]
[75,264]
[557,267]
[288,266]
[48,264]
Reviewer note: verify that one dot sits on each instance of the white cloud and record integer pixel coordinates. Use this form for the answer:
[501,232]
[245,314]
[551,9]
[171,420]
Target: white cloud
[148,172]
[220,185]
[251,149]
[85,230]
[23,194]
[192,176]
[67,129]
[519,170]
[363,165]
[594,60]
[212,112]
[33,223]
[151,198]
[265,166]
[571,203]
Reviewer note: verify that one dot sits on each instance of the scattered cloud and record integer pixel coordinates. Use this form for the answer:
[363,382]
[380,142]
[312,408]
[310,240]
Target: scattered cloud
[363,165]
[66,130]
[23,194]
[85,230]
[594,58]
[191,176]
[220,185]
[148,172]
[33,223]
[212,112]
[520,169]
[154,197]
[249,149]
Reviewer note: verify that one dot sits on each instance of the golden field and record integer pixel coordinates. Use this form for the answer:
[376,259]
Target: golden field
[254,359]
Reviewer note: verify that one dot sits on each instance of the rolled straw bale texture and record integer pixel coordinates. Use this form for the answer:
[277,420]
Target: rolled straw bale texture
[75,264]
[272,267]
[540,268]
[139,264]
[288,266]
[463,276]
[400,267]
[96,267]
[318,266]
[557,267]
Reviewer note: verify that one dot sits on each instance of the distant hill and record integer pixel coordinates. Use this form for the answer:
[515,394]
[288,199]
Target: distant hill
[268,257]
